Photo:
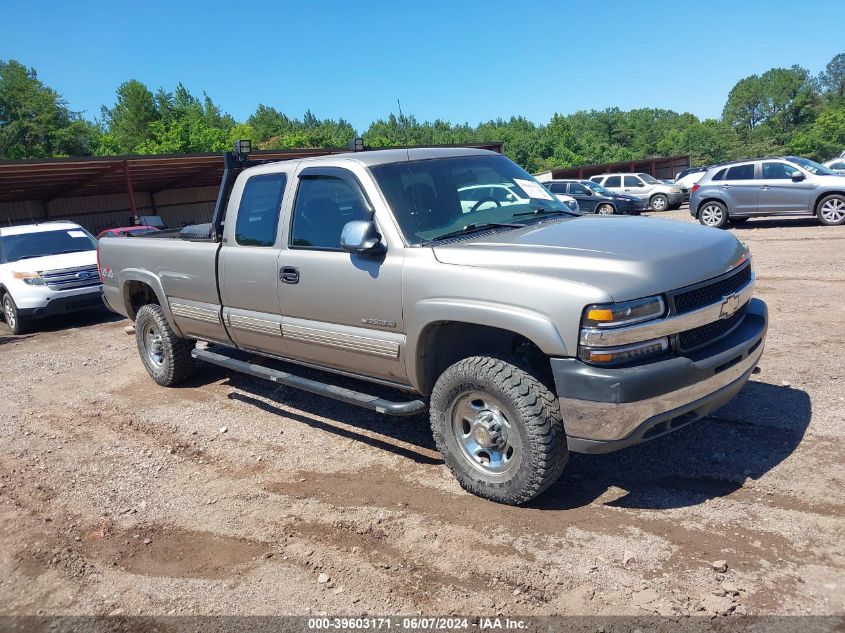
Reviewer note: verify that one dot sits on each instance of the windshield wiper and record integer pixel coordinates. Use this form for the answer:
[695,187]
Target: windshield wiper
[545,210]
[471,228]
[76,250]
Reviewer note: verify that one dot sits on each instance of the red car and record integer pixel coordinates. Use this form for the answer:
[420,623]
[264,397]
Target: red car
[127,230]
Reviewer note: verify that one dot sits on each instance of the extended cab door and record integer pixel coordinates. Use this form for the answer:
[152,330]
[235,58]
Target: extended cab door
[249,272]
[341,310]
[778,193]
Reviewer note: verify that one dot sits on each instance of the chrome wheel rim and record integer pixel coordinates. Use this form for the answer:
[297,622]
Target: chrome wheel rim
[9,311]
[833,211]
[605,209]
[711,215]
[658,204]
[153,346]
[484,435]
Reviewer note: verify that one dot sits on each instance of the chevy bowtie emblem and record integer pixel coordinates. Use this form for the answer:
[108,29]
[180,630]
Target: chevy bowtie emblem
[730,305]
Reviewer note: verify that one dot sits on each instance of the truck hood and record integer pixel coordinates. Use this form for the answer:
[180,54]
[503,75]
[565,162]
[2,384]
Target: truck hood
[626,257]
[53,262]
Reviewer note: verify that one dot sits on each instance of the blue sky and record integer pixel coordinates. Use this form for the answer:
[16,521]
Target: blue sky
[461,61]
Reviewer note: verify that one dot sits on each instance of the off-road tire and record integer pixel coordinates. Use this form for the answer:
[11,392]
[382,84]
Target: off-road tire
[658,200]
[532,410]
[837,203]
[605,209]
[12,315]
[177,364]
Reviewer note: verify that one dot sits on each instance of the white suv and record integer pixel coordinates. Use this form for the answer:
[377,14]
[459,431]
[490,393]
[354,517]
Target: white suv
[656,194]
[46,269]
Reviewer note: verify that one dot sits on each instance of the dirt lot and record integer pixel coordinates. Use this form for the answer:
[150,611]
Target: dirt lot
[232,496]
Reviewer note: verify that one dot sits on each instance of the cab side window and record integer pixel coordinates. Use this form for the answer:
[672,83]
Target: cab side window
[740,172]
[324,204]
[778,171]
[613,181]
[633,181]
[258,212]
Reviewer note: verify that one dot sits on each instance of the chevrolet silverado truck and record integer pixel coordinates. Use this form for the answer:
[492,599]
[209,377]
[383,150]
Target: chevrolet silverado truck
[528,332]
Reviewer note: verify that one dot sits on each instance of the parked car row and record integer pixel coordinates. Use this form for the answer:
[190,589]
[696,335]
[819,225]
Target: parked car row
[658,195]
[593,198]
[780,185]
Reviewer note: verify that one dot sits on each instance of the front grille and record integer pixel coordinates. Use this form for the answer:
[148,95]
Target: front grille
[71,278]
[706,334]
[709,293]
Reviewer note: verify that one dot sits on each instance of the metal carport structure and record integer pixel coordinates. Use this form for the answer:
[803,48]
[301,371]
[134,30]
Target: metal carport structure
[102,192]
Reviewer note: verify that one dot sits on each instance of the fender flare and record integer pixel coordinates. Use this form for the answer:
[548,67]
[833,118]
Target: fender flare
[534,326]
[146,277]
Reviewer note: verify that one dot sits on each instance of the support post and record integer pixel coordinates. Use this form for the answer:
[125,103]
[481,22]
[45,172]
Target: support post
[130,192]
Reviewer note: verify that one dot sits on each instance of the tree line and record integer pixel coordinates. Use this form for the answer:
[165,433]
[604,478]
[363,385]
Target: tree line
[783,110]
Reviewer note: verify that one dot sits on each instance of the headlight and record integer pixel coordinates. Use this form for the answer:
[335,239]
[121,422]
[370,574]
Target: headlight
[625,313]
[611,315]
[31,279]
[572,204]
[625,353]
[674,190]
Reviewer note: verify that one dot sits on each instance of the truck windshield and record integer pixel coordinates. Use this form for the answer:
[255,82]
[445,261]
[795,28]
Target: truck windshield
[431,198]
[45,243]
[811,166]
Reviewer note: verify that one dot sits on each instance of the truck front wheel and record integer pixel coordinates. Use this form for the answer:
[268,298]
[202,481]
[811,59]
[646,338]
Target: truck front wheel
[498,428]
[166,356]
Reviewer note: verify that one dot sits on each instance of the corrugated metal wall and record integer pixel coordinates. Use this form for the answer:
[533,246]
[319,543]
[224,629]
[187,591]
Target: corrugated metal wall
[176,207]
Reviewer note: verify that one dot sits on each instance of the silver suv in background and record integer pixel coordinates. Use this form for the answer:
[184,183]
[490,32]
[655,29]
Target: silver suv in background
[658,195]
[787,185]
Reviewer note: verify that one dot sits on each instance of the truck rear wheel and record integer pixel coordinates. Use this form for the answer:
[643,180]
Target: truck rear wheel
[498,428]
[166,356]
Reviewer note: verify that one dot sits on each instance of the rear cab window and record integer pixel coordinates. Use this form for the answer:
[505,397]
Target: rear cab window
[258,211]
[613,181]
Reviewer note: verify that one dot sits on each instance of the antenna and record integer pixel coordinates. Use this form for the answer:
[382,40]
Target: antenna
[404,126]
[29,208]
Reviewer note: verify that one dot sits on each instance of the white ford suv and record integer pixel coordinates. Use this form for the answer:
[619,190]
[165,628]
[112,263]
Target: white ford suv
[46,269]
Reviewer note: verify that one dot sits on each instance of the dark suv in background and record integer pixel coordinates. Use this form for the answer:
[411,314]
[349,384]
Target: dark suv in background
[593,198]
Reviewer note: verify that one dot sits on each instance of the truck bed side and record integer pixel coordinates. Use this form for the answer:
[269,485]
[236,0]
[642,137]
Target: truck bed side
[182,275]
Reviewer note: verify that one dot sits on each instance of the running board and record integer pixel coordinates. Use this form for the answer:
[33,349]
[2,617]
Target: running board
[373,403]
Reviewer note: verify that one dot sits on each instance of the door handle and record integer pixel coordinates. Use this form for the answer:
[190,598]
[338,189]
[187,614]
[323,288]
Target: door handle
[764,188]
[289,275]
[725,186]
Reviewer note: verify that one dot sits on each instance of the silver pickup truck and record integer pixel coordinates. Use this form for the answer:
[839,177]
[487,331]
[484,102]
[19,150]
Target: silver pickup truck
[526,330]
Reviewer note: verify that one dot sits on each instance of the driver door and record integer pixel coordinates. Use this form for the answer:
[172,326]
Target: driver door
[340,310]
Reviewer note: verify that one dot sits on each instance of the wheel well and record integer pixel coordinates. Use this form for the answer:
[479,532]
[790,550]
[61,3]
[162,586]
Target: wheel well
[444,344]
[138,294]
[706,200]
[818,199]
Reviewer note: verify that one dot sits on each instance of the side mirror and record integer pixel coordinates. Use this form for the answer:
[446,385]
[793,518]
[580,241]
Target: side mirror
[798,176]
[361,236]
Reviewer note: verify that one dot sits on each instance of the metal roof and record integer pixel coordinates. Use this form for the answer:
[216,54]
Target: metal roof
[51,178]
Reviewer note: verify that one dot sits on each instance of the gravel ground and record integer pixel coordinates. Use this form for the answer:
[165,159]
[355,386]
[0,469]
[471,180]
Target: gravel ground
[231,496]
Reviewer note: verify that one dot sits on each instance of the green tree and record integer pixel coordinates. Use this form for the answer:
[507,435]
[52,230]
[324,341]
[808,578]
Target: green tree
[744,107]
[35,121]
[832,80]
[129,122]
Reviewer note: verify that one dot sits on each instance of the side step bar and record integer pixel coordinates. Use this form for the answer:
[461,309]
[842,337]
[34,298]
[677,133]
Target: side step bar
[373,403]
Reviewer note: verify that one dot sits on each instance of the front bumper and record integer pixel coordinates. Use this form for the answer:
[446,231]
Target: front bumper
[676,198]
[64,303]
[606,409]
